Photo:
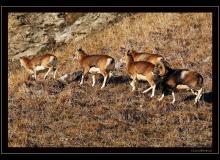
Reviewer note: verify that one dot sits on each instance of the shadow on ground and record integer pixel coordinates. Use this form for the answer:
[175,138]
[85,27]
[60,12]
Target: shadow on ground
[119,79]
[116,79]
[207,97]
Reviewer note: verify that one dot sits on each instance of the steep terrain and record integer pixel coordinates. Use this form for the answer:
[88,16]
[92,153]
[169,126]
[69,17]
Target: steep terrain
[52,114]
[32,34]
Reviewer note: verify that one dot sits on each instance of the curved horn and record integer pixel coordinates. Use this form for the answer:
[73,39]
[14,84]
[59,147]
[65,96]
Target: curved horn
[162,69]
[166,64]
[156,69]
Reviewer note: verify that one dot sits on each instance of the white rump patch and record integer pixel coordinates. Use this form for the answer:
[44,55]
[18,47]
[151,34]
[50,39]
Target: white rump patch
[39,68]
[141,77]
[108,62]
[94,70]
[183,74]
[51,59]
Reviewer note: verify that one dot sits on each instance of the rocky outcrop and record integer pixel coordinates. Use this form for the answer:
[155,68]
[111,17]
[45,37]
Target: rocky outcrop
[30,33]
[33,33]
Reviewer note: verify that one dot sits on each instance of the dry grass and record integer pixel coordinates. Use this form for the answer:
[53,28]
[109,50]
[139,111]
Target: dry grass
[47,113]
[71,18]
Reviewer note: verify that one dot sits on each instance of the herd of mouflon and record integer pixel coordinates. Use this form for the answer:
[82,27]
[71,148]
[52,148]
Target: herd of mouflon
[152,68]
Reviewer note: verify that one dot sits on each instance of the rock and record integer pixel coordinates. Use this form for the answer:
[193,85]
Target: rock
[30,34]
[29,52]
[77,22]
[60,23]
[119,64]
[70,77]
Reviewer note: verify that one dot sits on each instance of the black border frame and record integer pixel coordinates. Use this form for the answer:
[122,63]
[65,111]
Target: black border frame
[4,81]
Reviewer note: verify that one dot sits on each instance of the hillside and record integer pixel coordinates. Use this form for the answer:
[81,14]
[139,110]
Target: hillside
[52,114]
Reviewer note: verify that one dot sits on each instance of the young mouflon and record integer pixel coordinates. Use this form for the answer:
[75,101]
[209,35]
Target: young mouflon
[38,63]
[146,71]
[101,64]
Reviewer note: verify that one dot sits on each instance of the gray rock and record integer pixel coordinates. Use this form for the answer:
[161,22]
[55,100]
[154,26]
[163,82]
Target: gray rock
[70,77]
[32,33]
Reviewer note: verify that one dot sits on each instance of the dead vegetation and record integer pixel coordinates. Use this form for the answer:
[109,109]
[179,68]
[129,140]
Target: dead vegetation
[52,114]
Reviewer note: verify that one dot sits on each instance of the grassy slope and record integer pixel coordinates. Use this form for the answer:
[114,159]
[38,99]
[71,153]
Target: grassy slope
[48,114]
